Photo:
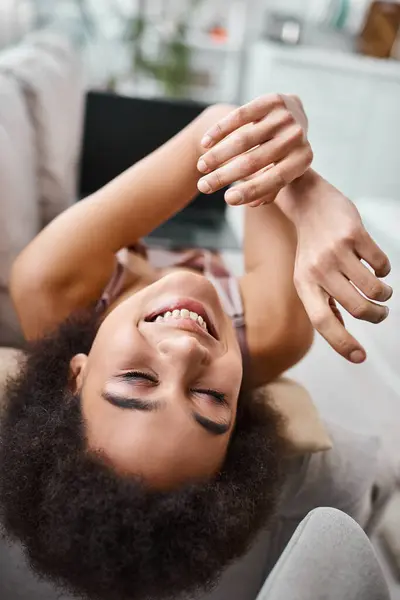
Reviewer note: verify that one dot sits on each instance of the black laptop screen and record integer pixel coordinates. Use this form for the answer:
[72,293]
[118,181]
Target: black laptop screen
[119,131]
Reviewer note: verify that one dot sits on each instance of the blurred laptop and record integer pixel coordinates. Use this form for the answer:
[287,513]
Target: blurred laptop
[119,131]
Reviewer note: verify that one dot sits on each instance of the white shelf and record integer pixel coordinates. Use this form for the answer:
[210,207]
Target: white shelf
[311,56]
[353,105]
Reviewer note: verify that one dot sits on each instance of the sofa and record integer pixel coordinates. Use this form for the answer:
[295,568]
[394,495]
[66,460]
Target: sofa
[41,124]
[41,114]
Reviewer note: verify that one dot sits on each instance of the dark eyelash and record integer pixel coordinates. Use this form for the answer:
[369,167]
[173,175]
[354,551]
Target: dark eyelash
[128,403]
[218,396]
[132,375]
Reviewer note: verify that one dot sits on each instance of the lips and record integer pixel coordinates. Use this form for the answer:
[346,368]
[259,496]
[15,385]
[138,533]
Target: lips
[191,305]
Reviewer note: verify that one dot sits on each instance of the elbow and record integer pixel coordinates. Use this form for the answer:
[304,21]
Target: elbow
[23,278]
[299,336]
[289,341]
[17,281]
[27,287]
[292,339]
[21,288]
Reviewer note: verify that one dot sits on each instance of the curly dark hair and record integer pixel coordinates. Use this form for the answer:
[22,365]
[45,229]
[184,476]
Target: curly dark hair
[107,537]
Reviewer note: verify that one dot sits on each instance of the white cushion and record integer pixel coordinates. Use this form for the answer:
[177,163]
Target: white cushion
[49,74]
[19,211]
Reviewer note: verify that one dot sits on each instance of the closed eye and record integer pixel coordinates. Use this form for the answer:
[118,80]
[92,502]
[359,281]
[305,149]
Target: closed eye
[138,376]
[213,427]
[217,397]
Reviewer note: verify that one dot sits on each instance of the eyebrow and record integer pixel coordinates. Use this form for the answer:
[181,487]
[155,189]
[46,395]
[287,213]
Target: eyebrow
[131,403]
[123,402]
[211,426]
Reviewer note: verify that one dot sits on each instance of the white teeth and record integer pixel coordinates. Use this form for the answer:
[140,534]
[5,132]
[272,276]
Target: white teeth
[184,313]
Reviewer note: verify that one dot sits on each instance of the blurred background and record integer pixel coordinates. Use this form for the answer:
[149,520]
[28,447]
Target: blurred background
[342,57]
[235,50]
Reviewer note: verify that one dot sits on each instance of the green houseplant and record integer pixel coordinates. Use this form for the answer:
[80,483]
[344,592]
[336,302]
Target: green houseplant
[172,67]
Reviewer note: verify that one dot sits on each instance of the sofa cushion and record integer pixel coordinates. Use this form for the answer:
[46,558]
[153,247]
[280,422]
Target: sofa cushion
[49,74]
[19,211]
[303,430]
[19,208]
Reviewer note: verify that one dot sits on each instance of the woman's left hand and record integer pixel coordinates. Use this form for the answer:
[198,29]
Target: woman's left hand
[263,144]
[332,247]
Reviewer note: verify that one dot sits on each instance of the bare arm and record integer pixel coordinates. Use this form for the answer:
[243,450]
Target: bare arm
[68,264]
[279,332]
[332,241]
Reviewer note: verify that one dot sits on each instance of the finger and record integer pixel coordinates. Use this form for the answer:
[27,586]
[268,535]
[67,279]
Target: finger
[253,161]
[316,303]
[246,138]
[340,288]
[293,102]
[272,179]
[365,280]
[258,173]
[253,111]
[336,311]
[262,202]
[369,250]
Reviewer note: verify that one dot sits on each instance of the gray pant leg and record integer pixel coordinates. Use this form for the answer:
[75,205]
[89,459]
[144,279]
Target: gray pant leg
[328,558]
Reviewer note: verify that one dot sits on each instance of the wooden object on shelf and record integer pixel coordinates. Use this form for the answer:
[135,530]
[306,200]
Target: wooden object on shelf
[381,28]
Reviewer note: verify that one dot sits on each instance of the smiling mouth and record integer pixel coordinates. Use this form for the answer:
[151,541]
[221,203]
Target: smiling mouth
[186,314]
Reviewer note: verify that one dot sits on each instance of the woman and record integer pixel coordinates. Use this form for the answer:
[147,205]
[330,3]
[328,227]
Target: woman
[135,459]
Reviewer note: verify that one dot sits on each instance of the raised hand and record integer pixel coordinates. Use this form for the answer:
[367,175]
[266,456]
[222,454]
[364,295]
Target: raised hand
[263,144]
[332,247]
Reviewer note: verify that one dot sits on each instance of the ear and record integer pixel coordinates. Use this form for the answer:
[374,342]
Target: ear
[77,371]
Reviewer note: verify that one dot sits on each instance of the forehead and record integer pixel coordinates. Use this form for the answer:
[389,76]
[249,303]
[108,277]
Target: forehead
[165,448]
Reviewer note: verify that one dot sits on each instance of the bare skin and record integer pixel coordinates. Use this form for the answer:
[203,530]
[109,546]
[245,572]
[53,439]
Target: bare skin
[264,144]
[173,390]
[69,263]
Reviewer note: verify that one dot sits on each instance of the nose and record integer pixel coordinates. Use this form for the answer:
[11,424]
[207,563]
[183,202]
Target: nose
[184,348]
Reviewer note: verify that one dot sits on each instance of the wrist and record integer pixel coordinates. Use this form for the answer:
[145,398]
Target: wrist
[295,199]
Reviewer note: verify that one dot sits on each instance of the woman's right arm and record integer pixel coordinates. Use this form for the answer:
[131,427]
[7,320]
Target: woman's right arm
[68,264]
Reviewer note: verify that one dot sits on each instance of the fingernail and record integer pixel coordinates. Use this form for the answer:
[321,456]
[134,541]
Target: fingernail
[204,187]
[202,166]
[234,197]
[357,356]
[384,315]
[206,141]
